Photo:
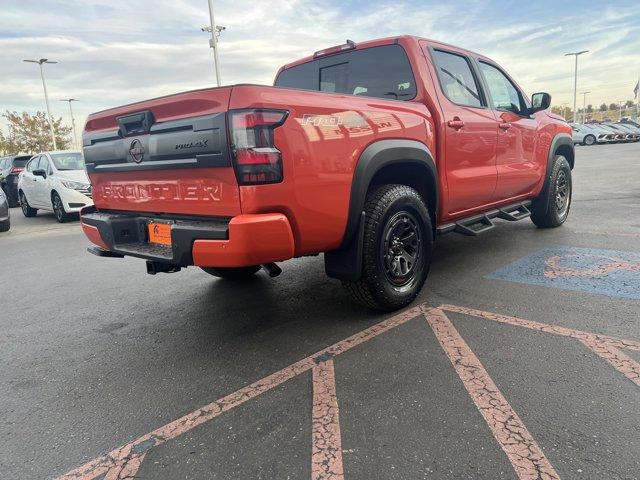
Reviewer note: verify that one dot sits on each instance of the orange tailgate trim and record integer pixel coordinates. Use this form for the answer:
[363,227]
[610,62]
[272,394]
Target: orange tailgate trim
[93,235]
[253,239]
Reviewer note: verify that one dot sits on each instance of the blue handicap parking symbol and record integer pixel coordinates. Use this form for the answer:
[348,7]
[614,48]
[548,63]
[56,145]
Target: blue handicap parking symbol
[607,272]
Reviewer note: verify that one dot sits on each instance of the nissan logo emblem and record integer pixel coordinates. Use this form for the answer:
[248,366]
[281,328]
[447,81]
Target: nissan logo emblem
[136,150]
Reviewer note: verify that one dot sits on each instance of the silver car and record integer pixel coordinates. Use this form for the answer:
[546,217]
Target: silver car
[603,135]
[583,135]
[5,220]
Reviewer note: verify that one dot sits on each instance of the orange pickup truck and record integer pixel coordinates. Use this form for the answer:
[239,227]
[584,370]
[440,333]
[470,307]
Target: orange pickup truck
[364,152]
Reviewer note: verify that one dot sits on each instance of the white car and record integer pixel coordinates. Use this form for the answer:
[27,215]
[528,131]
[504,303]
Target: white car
[55,181]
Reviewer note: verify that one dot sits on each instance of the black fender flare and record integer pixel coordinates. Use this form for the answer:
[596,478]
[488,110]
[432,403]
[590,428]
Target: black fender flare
[560,140]
[346,262]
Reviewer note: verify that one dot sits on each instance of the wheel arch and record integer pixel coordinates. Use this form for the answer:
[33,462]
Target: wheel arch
[406,162]
[562,144]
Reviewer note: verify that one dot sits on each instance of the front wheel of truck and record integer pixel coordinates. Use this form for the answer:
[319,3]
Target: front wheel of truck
[397,246]
[551,208]
[232,273]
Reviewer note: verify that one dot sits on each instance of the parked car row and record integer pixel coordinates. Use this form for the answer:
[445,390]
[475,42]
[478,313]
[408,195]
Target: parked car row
[605,132]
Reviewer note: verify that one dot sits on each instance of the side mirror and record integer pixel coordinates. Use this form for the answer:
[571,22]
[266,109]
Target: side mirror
[40,173]
[540,101]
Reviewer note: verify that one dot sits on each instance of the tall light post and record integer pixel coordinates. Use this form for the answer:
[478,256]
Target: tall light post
[575,80]
[213,41]
[584,106]
[620,105]
[46,96]
[73,120]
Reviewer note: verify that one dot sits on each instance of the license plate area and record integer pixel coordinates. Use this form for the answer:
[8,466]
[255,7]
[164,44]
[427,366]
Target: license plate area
[159,233]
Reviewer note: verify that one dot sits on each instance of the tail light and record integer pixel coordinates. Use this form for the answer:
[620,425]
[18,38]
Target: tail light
[257,160]
[16,170]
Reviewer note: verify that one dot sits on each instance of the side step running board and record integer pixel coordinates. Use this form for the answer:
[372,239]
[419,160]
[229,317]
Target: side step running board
[514,215]
[474,226]
[480,223]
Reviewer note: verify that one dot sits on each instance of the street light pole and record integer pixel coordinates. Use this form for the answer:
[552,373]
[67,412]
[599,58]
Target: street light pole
[575,80]
[73,121]
[213,43]
[620,104]
[46,97]
[584,106]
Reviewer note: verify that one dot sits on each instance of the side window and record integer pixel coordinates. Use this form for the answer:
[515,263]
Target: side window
[33,164]
[456,79]
[44,165]
[504,95]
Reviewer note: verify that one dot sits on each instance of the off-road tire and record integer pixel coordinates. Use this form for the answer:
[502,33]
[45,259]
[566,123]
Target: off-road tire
[58,208]
[27,211]
[232,273]
[589,140]
[385,207]
[551,208]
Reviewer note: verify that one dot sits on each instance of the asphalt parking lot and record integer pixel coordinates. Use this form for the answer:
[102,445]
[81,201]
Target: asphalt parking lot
[520,359]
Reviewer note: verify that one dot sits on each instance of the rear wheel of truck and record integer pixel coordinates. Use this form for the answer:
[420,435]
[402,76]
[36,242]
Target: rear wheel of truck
[398,240]
[236,273]
[551,208]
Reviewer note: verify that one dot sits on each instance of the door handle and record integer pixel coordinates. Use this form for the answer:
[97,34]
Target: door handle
[505,126]
[456,123]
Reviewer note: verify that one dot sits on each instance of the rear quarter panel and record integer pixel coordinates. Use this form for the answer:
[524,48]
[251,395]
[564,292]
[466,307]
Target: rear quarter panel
[321,142]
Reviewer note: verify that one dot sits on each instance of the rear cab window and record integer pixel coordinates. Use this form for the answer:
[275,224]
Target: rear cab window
[381,72]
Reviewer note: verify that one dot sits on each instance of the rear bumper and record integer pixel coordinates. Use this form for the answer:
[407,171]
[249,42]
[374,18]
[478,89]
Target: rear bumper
[237,242]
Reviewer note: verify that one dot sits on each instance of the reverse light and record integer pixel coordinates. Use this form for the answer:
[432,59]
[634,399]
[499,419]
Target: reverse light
[257,160]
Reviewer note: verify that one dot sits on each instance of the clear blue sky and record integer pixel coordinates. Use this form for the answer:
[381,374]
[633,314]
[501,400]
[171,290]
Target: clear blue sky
[112,52]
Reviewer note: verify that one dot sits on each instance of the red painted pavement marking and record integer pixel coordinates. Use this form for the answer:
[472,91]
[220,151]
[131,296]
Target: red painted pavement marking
[127,468]
[544,327]
[124,462]
[525,455]
[619,360]
[595,271]
[326,456]
[124,454]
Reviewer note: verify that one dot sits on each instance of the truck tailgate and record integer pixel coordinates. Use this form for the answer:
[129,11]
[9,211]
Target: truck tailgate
[166,155]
